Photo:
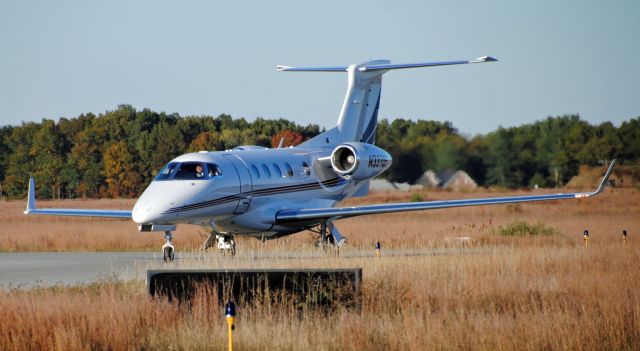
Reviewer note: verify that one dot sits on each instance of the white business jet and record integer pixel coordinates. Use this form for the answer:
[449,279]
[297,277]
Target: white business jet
[269,193]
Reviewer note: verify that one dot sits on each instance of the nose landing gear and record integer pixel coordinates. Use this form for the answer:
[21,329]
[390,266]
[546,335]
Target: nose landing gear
[225,242]
[168,249]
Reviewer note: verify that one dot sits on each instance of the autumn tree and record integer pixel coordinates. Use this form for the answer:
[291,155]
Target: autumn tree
[209,141]
[120,172]
[86,156]
[290,138]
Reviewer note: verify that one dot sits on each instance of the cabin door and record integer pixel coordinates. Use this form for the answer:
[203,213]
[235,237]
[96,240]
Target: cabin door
[246,183]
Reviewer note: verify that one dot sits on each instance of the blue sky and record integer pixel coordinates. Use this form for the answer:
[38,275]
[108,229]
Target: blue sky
[63,58]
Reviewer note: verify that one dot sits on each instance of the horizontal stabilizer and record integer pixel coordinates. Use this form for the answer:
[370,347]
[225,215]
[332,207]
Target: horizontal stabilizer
[389,66]
[380,65]
[311,69]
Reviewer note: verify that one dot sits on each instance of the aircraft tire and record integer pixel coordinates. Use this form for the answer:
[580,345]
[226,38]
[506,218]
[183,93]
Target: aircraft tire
[167,254]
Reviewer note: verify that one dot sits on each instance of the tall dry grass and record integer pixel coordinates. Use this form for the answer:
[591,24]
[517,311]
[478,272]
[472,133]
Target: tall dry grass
[503,293]
[503,298]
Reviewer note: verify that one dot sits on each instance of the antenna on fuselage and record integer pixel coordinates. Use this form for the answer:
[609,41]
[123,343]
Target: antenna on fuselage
[281,143]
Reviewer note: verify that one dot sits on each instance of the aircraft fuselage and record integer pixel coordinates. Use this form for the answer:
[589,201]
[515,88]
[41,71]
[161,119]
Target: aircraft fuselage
[248,189]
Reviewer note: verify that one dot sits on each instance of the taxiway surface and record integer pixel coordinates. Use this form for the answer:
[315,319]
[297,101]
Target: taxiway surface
[25,270]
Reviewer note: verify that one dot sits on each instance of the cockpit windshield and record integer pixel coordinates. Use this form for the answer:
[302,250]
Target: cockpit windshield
[188,170]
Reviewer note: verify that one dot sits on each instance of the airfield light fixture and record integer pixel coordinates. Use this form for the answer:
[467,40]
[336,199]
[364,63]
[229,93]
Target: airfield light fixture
[230,313]
[586,237]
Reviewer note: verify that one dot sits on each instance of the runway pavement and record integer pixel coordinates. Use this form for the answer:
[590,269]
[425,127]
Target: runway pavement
[25,270]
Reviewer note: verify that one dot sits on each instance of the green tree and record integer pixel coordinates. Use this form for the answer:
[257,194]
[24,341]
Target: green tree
[449,154]
[21,164]
[47,150]
[629,136]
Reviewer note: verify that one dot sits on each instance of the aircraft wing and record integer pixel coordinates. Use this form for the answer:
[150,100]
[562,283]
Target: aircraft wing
[296,215]
[80,212]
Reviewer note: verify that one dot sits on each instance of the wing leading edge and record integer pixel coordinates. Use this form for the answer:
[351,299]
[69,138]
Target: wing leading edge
[79,212]
[287,216]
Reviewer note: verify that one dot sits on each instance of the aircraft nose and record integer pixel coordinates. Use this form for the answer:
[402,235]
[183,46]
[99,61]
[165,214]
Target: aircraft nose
[159,198]
[143,213]
[147,209]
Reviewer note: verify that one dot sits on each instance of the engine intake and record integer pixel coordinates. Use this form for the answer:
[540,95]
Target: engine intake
[359,161]
[343,160]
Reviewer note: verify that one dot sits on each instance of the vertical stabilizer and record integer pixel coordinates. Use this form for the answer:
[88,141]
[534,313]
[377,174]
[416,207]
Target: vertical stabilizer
[359,114]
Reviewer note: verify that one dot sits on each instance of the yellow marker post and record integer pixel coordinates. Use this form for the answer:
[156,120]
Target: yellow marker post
[586,237]
[624,236]
[230,313]
[377,249]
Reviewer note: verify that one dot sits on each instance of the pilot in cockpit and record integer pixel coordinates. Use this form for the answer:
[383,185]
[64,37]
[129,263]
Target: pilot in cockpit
[199,171]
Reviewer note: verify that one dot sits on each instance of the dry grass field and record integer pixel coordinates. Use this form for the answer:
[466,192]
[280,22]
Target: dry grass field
[605,216]
[502,293]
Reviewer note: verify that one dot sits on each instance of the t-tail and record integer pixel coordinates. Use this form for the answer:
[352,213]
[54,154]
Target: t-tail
[359,114]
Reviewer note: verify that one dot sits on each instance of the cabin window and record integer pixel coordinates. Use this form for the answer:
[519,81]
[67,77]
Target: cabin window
[213,170]
[305,168]
[289,169]
[168,171]
[254,171]
[277,170]
[266,170]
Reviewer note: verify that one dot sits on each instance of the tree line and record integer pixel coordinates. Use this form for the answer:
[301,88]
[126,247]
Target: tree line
[116,154]
[546,153]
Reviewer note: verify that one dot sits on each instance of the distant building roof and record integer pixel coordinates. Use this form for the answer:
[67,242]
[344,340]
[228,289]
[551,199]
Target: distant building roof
[429,179]
[448,179]
[459,180]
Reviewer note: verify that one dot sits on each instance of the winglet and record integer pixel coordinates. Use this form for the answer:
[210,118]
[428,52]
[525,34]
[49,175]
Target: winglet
[484,59]
[31,197]
[603,182]
[605,178]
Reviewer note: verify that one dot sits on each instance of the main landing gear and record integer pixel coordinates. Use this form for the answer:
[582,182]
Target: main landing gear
[224,242]
[329,235]
[167,249]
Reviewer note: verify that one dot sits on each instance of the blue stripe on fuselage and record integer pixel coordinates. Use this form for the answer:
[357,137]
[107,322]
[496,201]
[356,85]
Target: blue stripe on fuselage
[259,192]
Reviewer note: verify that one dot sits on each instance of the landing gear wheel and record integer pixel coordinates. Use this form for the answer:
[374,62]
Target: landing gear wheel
[167,253]
[226,243]
[168,249]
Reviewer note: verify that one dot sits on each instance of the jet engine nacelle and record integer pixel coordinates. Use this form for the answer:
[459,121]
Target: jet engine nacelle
[359,161]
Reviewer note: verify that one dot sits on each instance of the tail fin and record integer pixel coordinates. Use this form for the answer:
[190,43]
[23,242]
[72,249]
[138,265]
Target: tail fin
[359,115]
